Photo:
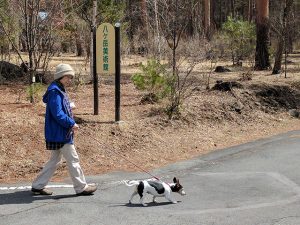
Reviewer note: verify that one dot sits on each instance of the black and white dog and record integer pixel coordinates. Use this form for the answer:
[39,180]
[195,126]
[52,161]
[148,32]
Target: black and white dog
[156,188]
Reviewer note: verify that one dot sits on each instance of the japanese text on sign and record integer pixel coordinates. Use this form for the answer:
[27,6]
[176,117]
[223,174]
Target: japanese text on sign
[105,48]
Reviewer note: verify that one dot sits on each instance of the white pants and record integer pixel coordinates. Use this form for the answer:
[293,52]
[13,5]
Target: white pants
[68,151]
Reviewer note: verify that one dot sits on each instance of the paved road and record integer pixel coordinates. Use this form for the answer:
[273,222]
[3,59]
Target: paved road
[256,183]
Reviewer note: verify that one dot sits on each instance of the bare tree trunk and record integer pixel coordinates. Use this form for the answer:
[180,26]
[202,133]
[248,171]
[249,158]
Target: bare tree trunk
[221,14]
[190,26]
[144,18]
[79,47]
[262,61]
[92,38]
[287,14]
[144,12]
[289,44]
[131,26]
[278,56]
[232,8]
[282,38]
[207,18]
[157,30]
[250,10]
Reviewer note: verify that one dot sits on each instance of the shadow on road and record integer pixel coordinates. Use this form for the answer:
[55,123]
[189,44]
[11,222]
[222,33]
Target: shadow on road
[150,204]
[25,197]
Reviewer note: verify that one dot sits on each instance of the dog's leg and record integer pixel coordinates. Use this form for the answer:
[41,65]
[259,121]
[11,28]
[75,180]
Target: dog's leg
[133,194]
[168,197]
[154,199]
[142,200]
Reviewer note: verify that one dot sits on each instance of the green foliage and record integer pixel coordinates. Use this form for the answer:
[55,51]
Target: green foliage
[112,11]
[108,11]
[240,38]
[154,79]
[35,91]
[3,10]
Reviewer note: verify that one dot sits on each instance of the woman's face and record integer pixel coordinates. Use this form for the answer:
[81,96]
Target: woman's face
[66,80]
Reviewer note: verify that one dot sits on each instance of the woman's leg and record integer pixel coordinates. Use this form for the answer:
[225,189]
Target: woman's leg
[75,171]
[47,172]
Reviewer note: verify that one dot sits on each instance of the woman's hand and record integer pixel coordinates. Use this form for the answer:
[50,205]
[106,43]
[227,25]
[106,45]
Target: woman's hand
[75,127]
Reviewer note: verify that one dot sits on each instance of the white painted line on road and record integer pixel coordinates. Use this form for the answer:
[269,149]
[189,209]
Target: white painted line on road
[15,188]
[283,179]
[29,187]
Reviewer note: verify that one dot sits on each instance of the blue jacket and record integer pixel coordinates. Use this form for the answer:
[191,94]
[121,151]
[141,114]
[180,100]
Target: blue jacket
[59,118]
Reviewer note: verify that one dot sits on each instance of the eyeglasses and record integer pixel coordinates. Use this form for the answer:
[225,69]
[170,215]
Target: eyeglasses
[69,76]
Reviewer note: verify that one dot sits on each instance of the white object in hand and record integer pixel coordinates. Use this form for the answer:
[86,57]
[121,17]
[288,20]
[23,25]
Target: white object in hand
[72,105]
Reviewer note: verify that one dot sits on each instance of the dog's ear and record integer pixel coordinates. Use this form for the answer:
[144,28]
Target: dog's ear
[175,180]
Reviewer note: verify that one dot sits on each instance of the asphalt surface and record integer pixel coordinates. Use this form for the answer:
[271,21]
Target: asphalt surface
[257,183]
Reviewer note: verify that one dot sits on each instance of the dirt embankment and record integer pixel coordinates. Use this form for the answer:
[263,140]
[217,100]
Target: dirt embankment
[211,119]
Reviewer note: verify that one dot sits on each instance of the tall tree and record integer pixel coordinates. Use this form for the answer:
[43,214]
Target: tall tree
[250,10]
[174,16]
[8,26]
[262,61]
[81,20]
[207,10]
[232,4]
[36,18]
[280,28]
[130,18]
[144,18]
[293,28]
[217,13]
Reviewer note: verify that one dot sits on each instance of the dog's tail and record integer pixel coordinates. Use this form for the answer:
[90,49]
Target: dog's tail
[131,182]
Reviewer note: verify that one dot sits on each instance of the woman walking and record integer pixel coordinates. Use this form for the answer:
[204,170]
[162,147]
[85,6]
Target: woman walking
[59,133]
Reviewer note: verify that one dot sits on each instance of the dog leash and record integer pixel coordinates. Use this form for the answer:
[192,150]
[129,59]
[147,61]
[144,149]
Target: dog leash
[118,154]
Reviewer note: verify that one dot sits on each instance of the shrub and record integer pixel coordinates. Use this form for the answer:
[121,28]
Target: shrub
[153,79]
[36,90]
[239,35]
